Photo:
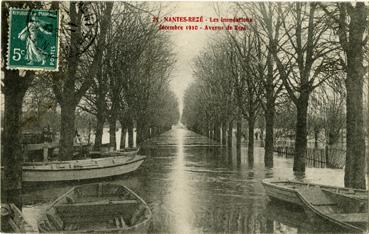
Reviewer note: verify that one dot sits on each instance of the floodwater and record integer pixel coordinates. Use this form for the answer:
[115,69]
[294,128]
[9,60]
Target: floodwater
[193,185]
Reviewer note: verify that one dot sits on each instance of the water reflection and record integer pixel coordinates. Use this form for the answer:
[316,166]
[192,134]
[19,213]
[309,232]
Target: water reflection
[180,205]
[194,185]
[286,220]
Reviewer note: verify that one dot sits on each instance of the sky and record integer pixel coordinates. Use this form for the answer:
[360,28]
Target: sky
[188,44]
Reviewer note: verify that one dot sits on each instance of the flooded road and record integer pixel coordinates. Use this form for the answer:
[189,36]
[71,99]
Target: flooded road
[193,185]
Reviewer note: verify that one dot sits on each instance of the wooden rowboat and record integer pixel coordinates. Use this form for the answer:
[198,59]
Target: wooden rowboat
[340,213]
[12,220]
[81,169]
[104,208]
[286,191]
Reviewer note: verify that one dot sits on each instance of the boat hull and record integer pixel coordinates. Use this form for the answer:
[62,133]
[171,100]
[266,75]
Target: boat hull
[322,210]
[97,207]
[287,191]
[323,204]
[82,169]
[282,194]
[329,225]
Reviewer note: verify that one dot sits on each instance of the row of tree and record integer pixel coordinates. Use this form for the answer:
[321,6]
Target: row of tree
[299,53]
[114,65]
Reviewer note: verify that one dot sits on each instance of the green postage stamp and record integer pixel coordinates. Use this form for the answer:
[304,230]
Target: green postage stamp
[33,39]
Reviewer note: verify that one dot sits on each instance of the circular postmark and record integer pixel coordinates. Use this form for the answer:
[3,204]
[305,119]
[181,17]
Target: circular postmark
[83,24]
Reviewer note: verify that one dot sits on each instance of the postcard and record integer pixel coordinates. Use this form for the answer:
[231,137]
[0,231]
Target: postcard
[184,117]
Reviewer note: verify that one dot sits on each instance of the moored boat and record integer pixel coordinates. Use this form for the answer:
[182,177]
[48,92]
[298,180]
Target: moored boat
[97,207]
[12,220]
[287,191]
[92,168]
[341,213]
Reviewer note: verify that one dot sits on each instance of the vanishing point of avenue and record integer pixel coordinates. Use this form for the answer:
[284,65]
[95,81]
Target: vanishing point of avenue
[184,117]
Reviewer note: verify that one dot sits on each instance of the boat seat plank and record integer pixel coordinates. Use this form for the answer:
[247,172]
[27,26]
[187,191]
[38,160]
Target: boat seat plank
[42,227]
[99,202]
[55,221]
[71,227]
[356,196]
[351,217]
[99,208]
[316,196]
[14,226]
[116,222]
[124,225]
[119,222]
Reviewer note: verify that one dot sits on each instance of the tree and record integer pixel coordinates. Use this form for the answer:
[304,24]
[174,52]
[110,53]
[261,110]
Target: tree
[215,91]
[103,99]
[271,82]
[39,105]
[14,87]
[350,24]
[72,81]
[247,84]
[327,110]
[305,58]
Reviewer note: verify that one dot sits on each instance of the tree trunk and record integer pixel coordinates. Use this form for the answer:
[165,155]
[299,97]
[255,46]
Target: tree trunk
[224,130]
[67,129]
[216,132]
[123,133]
[212,132]
[89,133]
[230,154]
[15,88]
[141,133]
[355,139]
[99,131]
[269,111]
[130,134]
[250,145]
[238,155]
[100,108]
[239,134]
[124,124]
[112,133]
[67,99]
[230,133]
[367,158]
[301,133]
[269,136]
[316,136]
[123,137]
